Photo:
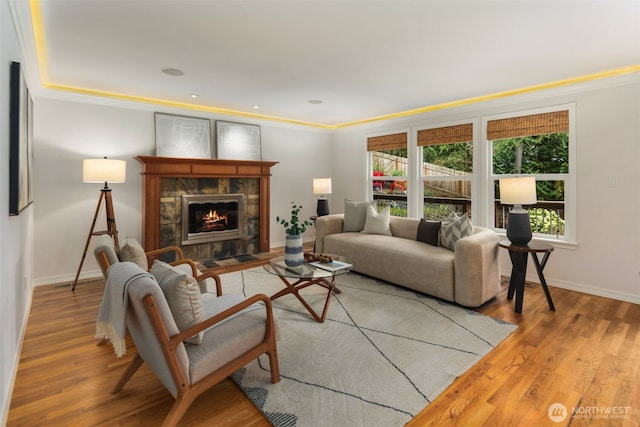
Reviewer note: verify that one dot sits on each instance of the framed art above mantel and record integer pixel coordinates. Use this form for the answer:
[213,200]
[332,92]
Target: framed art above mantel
[182,136]
[238,141]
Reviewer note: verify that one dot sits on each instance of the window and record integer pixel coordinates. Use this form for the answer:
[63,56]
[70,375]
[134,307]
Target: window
[388,177]
[431,171]
[446,170]
[535,145]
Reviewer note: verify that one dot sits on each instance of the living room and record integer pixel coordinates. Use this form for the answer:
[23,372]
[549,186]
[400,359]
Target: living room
[43,244]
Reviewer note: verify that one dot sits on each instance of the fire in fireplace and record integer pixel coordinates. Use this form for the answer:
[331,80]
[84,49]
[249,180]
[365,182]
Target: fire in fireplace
[212,217]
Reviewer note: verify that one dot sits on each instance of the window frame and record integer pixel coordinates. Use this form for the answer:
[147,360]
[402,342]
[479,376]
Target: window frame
[410,167]
[568,178]
[422,178]
[482,177]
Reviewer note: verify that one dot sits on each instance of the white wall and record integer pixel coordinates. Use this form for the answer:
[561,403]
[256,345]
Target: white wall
[606,260]
[16,242]
[67,131]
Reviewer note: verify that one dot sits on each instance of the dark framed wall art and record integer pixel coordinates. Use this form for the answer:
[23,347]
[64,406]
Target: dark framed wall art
[182,136]
[20,142]
[238,141]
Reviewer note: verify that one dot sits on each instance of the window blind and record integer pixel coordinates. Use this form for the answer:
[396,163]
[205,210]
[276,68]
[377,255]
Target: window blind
[387,142]
[446,135]
[536,124]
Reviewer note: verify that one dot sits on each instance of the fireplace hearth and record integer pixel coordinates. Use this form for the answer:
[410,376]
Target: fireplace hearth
[212,218]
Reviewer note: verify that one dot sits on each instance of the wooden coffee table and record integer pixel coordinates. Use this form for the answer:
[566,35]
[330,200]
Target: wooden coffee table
[297,278]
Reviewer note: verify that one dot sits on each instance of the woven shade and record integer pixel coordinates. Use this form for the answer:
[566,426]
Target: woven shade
[446,135]
[387,142]
[537,124]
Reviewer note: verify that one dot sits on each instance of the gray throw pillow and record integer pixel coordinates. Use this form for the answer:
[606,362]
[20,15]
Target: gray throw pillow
[183,296]
[454,229]
[428,232]
[132,251]
[355,215]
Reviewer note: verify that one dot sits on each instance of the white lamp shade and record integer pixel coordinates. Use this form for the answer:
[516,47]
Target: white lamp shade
[518,191]
[104,170]
[321,185]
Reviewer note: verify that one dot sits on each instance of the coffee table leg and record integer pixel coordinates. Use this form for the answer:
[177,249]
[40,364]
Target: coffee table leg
[295,287]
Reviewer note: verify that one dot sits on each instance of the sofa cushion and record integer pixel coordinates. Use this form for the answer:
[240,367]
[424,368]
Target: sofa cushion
[428,232]
[454,229]
[132,251]
[355,215]
[183,296]
[377,223]
[408,263]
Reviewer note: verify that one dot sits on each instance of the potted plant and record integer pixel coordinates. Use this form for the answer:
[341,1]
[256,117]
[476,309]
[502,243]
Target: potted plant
[294,255]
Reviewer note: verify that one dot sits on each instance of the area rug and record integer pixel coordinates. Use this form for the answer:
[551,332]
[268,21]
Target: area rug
[382,355]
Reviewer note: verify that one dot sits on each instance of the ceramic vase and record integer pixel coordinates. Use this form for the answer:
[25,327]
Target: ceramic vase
[293,252]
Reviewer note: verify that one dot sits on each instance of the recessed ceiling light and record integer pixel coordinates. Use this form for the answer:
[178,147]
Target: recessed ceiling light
[315,101]
[173,72]
[256,106]
[194,95]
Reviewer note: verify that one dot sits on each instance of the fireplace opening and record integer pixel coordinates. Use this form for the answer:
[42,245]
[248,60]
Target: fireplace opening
[212,217]
[205,217]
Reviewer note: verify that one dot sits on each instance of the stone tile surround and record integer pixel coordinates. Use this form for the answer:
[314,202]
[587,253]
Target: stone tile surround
[171,191]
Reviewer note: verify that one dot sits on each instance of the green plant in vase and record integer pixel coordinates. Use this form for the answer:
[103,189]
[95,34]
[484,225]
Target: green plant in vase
[293,227]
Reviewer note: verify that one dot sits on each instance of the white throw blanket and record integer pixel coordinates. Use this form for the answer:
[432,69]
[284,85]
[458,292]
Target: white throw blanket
[112,317]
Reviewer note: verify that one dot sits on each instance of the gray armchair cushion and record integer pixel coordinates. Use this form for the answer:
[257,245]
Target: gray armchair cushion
[139,325]
[228,339]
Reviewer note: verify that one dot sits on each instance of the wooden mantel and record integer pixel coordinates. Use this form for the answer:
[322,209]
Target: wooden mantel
[155,168]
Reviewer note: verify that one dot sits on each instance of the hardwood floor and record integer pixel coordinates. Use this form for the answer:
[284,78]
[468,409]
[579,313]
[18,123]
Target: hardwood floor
[586,355]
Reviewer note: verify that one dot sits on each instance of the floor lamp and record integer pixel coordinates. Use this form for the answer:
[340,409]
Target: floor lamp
[102,171]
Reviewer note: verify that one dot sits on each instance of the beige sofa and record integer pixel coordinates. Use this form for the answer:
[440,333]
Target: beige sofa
[469,275]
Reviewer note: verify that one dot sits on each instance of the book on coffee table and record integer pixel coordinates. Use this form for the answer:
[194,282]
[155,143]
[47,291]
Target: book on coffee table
[331,266]
[302,271]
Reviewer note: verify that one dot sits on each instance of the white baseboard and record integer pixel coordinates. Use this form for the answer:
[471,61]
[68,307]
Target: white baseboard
[16,361]
[95,274]
[579,287]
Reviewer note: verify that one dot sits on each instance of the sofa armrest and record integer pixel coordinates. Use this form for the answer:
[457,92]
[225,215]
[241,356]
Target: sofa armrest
[326,225]
[477,268]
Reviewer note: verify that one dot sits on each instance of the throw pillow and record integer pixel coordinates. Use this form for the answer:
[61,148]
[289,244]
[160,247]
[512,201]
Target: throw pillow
[428,231]
[132,251]
[183,296]
[377,223]
[355,215]
[454,229]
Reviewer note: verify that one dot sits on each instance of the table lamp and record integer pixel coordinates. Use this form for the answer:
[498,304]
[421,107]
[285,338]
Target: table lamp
[517,192]
[322,187]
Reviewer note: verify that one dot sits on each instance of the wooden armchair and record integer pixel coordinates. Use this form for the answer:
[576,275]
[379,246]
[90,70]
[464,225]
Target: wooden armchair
[237,331]
[107,254]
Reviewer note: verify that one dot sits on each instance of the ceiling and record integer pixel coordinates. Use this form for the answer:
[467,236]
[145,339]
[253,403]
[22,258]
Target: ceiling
[328,63]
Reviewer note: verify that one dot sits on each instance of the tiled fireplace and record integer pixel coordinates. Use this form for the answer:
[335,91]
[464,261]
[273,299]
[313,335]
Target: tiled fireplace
[226,202]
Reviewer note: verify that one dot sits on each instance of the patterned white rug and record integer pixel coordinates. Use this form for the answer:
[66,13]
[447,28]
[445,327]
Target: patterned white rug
[383,354]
